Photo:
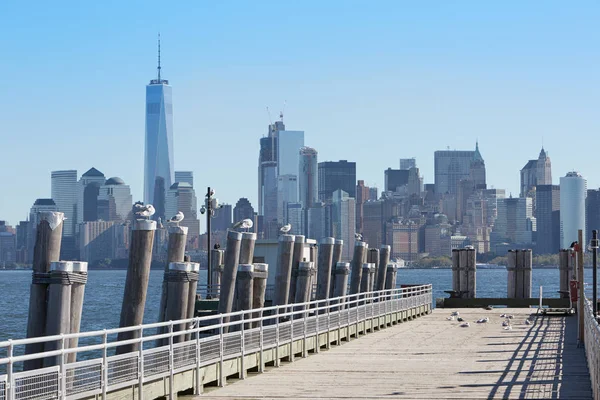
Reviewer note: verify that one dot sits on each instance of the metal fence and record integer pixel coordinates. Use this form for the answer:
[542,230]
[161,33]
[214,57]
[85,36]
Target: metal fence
[204,341]
[592,347]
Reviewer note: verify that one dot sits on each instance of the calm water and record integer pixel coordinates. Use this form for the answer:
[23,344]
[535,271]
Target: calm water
[104,293]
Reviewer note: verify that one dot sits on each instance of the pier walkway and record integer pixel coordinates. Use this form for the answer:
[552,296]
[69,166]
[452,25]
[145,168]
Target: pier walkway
[433,358]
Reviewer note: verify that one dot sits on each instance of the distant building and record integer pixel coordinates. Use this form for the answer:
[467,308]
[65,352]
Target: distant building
[267,178]
[100,240]
[308,181]
[223,218]
[343,221]
[573,189]
[408,163]
[287,192]
[592,211]
[336,175]
[362,196]
[451,166]
[87,195]
[64,193]
[319,221]
[548,219]
[395,178]
[185,176]
[8,248]
[515,223]
[295,217]
[181,197]
[158,159]
[114,200]
[373,223]
[536,172]
[403,238]
[288,152]
[373,193]
[242,210]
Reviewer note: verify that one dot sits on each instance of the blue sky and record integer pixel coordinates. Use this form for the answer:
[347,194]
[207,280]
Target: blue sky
[368,81]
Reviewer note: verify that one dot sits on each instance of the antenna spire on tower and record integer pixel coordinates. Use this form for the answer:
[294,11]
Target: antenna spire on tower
[158,57]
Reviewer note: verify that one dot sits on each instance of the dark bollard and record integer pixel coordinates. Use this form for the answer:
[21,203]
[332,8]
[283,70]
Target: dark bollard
[303,289]
[232,256]
[247,247]
[360,248]
[178,283]
[297,257]
[261,273]
[384,260]
[324,267]
[78,281]
[175,253]
[59,308]
[390,279]
[338,247]
[136,282]
[342,270]
[373,258]
[284,270]
[47,250]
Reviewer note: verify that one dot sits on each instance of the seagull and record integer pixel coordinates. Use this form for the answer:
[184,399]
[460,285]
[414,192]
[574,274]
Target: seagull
[455,313]
[217,246]
[358,236]
[286,228]
[502,315]
[177,217]
[245,223]
[508,328]
[505,323]
[528,322]
[510,316]
[465,325]
[459,319]
[144,210]
[450,318]
[483,320]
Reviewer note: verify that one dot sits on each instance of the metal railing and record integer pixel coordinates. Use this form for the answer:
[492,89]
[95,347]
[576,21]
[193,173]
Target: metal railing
[592,347]
[200,342]
[206,292]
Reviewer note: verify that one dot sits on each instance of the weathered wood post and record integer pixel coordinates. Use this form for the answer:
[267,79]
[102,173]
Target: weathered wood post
[526,271]
[284,270]
[178,283]
[324,267]
[364,281]
[373,258]
[46,250]
[136,282]
[297,257]
[59,307]
[567,271]
[384,260]
[390,279]
[360,248]
[314,277]
[244,288]
[342,270]
[471,272]
[511,274]
[194,276]
[78,281]
[338,247]
[456,271]
[261,273]
[232,256]
[519,274]
[175,253]
[247,247]
[303,289]
[216,260]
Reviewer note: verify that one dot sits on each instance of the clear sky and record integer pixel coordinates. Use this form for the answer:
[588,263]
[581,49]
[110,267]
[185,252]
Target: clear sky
[368,81]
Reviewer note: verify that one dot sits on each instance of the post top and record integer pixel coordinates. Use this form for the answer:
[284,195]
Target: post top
[245,268]
[374,249]
[360,244]
[261,267]
[248,235]
[305,265]
[234,235]
[368,265]
[393,267]
[53,218]
[195,267]
[176,229]
[339,241]
[69,266]
[342,265]
[286,238]
[181,266]
[144,225]
[386,247]
[299,238]
[327,240]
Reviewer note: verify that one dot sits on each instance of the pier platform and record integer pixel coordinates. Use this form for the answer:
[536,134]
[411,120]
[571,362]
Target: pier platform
[433,358]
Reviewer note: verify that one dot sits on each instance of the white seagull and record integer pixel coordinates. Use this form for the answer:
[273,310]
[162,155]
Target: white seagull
[465,325]
[508,328]
[450,318]
[177,217]
[245,223]
[358,236]
[286,228]
[483,320]
[455,313]
[145,211]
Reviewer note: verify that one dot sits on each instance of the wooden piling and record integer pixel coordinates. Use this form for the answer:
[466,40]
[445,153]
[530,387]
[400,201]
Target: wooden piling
[178,283]
[216,261]
[324,267]
[456,270]
[247,247]
[59,308]
[303,289]
[511,275]
[384,260]
[136,282]
[527,269]
[80,274]
[46,250]
[284,269]
[360,248]
[373,258]
[366,274]
[338,247]
[567,271]
[261,273]
[390,279]
[175,253]
[232,256]
[342,270]
[297,257]
[191,303]
[471,272]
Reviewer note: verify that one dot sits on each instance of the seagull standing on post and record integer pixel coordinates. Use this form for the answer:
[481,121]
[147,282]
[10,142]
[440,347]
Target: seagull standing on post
[285,229]
[244,224]
[144,210]
[177,217]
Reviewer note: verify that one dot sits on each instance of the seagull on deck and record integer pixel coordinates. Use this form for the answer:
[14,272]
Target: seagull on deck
[465,325]
[455,313]
[177,217]
[505,323]
[245,224]
[286,228]
[450,318]
[508,328]
[483,320]
[459,319]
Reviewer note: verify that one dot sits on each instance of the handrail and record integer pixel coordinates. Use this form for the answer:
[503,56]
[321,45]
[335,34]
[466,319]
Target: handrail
[280,320]
[592,346]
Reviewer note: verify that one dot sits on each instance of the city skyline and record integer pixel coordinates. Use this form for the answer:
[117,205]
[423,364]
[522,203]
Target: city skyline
[525,91]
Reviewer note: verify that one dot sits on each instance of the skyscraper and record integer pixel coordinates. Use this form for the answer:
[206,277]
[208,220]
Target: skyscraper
[453,165]
[536,172]
[308,182]
[114,200]
[362,196]
[408,163]
[87,195]
[288,152]
[158,160]
[267,179]
[287,192]
[515,223]
[573,189]
[336,175]
[185,176]
[547,199]
[181,197]
[242,210]
[223,219]
[592,212]
[64,194]
[343,221]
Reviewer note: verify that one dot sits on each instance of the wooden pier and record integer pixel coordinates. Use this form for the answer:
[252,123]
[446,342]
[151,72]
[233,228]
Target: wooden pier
[433,358]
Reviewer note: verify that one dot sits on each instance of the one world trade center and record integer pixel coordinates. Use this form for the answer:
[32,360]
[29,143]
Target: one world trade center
[158,159]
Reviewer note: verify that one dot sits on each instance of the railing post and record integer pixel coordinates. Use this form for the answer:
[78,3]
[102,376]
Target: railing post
[197,388]
[292,335]
[10,391]
[221,375]
[104,364]
[63,373]
[356,305]
[141,364]
[242,373]
[304,350]
[317,341]
[328,305]
[261,367]
[171,363]
[277,359]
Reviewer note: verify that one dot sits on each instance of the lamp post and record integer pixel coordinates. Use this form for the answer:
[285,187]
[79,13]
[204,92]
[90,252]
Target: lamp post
[209,208]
